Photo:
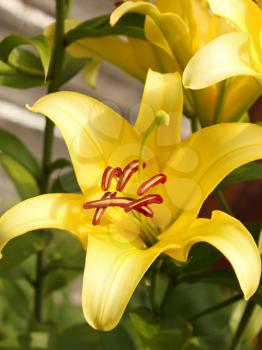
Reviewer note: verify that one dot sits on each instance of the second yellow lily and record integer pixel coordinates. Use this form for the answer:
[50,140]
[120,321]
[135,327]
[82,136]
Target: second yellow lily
[233,54]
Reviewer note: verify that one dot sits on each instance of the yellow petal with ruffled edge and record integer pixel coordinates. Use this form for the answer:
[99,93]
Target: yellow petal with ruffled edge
[168,23]
[57,211]
[244,13]
[162,92]
[114,266]
[225,57]
[201,162]
[232,239]
[247,16]
[113,269]
[91,130]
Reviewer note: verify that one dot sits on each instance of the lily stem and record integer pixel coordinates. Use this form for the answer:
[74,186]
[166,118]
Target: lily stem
[243,324]
[55,72]
[216,307]
[194,124]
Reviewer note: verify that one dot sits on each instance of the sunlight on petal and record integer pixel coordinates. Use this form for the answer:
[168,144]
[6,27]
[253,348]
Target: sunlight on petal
[57,211]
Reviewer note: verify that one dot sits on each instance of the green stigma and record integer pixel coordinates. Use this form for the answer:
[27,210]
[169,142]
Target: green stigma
[161,118]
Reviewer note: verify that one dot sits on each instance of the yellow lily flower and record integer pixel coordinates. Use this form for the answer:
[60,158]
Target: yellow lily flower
[179,28]
[142,189]
[232,54]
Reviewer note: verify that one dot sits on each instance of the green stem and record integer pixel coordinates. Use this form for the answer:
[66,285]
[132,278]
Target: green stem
[194,125]
[223,202]
[55,70]
[214,308]
[243,324]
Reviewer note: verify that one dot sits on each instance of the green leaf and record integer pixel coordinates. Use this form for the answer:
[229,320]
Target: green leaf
[247,172]
[66,182]
[23,180]
[145,325]
[58,164]
[187,300]
[9,43]
[20,248]
[72,66]
[40,43]
[36,340]
[60,278]
[26,62]
[5,69]
[80,337]
[12,291]
[83,337]
[16,149]
[131,25]
[65,260]
[15,79]
[117,339]
[158,334]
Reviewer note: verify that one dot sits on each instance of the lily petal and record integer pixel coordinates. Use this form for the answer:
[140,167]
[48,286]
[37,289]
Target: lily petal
[244,13]
[123,55]
[57,211]
[222,58]
[167,23]
[228,235]
[201,162]
[113,269]
[91,130]
[162,92]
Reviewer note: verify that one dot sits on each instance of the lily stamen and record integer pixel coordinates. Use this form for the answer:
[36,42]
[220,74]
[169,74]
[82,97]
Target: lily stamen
[108,175]
[152,182]
[108,202]
[128,171]
[110,199]
[100,211]
[145,201]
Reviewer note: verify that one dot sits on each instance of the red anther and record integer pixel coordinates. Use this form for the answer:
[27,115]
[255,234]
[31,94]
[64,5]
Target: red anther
[100,212]
[143,202]
[145,211]
[152,182]
[108,202]
[128,171]
[108,176]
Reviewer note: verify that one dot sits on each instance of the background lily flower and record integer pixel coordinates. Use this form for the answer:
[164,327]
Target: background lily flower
[232,54]
[175,30]
[123,242]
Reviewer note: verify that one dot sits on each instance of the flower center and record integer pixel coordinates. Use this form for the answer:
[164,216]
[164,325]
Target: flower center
[111,199]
